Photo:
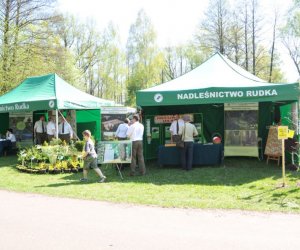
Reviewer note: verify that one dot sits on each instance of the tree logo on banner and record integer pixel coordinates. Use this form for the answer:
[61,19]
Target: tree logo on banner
[51,104]
[158,97]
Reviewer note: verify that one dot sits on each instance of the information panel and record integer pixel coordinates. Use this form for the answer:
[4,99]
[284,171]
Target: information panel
[114,152]
[241,129]
[21,124]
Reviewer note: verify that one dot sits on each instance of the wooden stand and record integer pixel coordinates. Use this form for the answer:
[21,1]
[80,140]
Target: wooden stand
[274,157]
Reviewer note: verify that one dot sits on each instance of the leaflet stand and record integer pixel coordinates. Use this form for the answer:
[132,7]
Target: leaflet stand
[119,170]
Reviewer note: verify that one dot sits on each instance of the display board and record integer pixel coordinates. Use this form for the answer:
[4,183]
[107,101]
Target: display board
[109,124]
[114,152]
[21,124]
[111,118]
[167,119]
[273,146]
[241,129]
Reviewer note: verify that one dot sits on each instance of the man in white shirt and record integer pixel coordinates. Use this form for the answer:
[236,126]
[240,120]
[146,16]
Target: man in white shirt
[10,136]
[40,131]
[51,129]
[121,133]
[65,131]
[135,132]
[175,127]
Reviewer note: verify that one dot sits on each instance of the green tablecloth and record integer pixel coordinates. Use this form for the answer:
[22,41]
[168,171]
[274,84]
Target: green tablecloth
[204,154]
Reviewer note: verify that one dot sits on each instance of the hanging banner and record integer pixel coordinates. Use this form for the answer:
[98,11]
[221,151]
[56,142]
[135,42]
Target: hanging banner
[166,119]
[241,129]
[21,124]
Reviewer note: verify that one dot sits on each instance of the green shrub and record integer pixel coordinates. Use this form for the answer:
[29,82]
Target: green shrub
[79,145]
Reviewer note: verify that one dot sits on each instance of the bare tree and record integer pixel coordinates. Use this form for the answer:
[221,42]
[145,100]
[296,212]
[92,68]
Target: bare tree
[214,29]
[273,44]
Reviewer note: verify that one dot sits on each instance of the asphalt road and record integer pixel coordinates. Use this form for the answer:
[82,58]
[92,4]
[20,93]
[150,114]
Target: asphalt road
[36,222]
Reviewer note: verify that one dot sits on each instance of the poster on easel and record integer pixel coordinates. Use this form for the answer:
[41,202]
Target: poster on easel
[114,152]
[273,146]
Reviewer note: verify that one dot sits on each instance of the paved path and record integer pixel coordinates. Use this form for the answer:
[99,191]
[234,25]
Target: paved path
[36,222]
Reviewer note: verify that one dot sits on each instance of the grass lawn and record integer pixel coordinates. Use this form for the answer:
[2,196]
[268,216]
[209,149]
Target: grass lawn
[241,183]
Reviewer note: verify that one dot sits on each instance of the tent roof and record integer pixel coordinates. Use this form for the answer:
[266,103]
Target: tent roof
[214,75]
[48,92]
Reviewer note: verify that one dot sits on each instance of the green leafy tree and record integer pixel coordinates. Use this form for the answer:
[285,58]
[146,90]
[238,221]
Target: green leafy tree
[144,60]
[290,35]
[17,19]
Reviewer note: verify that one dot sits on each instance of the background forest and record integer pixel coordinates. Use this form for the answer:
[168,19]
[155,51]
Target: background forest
[36,39]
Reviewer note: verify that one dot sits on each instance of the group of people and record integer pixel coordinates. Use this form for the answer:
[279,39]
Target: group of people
[182,129]
[46,131]
[132,130]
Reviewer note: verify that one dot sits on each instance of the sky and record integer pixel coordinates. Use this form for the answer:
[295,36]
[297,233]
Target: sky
[175,21]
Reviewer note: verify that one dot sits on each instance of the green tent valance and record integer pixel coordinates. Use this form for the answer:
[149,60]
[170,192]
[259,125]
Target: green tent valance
[217,80]
[48,92]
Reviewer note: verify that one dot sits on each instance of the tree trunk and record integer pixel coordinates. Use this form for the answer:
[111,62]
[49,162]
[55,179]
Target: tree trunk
[246,38]
[273,48]
[253,39]
[5,55]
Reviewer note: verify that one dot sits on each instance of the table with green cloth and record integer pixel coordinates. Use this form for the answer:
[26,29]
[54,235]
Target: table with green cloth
[204,154]
[4,144]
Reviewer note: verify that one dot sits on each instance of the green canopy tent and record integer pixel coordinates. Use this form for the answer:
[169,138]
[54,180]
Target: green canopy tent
[48,92]
[205,90]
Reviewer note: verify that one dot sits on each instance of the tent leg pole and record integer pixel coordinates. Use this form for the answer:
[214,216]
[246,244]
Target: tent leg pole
[56,123]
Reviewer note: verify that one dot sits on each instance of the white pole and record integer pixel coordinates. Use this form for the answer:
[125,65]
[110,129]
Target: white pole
[56,123]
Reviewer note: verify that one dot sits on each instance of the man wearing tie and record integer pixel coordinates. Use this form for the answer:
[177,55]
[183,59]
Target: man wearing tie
[175,127]
[65,131]
[51,131]
[40,130]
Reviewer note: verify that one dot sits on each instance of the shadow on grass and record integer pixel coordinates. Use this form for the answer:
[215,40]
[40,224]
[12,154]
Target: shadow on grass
[8,161]
[234,172]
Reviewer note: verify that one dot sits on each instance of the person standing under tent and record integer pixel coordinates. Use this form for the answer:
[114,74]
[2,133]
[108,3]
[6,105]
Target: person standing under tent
[51,131]
[135,132]
[188,132]
[39,131]
[121,135]
[174,128]
[65,131]
[90,158]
